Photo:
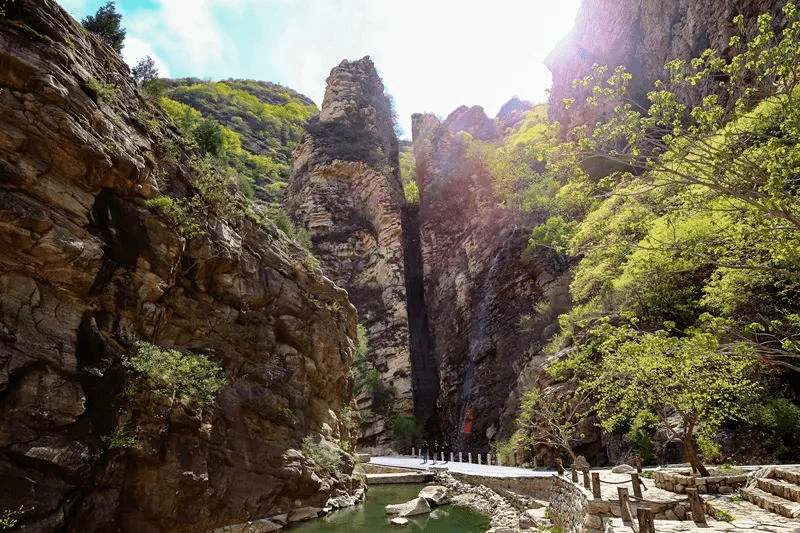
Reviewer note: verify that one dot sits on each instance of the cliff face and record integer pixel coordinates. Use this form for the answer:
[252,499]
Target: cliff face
[345,189]
[478,283]
[643,35]
[87,268]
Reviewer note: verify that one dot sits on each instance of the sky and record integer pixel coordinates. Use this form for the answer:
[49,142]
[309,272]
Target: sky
[433,55]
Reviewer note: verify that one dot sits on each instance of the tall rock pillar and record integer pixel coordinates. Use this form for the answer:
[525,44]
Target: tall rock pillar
[345,189]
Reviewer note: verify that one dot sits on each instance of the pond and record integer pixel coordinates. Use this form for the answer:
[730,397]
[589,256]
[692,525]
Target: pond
[370,516]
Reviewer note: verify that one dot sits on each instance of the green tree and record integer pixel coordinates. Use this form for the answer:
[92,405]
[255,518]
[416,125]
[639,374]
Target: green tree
[552,418]
[209,137]
[107,23]
[688,380]
[713,185]
[145,70]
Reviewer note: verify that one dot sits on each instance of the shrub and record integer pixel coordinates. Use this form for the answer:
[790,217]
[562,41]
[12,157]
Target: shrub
[209,137]
[106,23]
[326,458]
[175,213]
[190,379]
[640,436]
[404,428]
[106,91]
[119,439]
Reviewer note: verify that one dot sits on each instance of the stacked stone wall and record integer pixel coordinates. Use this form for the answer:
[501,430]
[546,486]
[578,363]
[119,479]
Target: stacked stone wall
[678,482]
[569,507]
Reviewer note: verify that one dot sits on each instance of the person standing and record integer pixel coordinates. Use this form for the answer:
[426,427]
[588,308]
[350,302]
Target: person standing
[425,449]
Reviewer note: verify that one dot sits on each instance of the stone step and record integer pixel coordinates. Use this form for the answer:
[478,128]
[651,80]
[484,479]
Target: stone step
[781,488]
[410,477]
[772,503]
[792,476]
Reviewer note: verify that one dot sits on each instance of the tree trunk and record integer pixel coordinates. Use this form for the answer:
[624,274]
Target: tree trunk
[694,460]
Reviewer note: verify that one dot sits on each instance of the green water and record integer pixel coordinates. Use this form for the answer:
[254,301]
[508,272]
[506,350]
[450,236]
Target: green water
[370,516]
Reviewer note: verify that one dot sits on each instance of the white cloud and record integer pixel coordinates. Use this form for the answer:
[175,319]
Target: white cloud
[136,49]
[186,34]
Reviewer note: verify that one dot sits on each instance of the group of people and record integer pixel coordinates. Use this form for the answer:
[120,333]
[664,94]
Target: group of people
[434,451]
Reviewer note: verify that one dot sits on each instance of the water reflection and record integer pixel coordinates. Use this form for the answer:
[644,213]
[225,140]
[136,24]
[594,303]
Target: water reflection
[371,516]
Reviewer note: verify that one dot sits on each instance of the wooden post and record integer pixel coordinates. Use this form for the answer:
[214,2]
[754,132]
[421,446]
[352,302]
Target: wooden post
[469,457]
[696,505]
[515,458]
[460,460]
[479,459]
[637,487]
[638,463]
[574,469]
[645,516]
[559,466]
[586,482]
[596,494]
[624,505]
[441,454]
[488,458]
[451,457]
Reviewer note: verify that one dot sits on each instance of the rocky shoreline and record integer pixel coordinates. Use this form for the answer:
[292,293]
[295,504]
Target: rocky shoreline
[506,516]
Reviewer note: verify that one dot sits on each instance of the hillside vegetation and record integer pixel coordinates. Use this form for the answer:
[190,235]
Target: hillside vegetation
[260,122]
[684,224]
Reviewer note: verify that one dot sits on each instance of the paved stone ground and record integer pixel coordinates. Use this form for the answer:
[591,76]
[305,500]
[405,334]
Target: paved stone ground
[405,461]
[747,517]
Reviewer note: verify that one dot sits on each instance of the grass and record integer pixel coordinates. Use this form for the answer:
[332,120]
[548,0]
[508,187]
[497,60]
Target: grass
[724,516]
[105,91]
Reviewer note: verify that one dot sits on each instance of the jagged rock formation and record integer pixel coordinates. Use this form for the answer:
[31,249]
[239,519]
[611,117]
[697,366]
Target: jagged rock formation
[478,282]
[513,112]
[345,189]
[86,268]
[643,35]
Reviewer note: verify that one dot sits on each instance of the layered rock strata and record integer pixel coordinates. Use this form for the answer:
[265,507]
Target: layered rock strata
[345,189]
[642,35]
[87,268]
[479,282]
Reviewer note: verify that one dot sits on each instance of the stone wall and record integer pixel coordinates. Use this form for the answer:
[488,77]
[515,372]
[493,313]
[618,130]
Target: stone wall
[534,487]
[679,482]
[569,507]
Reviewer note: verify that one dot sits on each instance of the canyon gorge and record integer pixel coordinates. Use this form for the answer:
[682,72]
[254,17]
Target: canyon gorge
[118,236]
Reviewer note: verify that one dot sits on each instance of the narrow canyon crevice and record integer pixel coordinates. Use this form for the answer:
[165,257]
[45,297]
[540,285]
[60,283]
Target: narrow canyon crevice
[424,368]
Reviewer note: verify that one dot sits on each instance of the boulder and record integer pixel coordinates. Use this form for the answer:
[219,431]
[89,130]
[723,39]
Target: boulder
[399,521]
[623,469]
[435,494]
[581,462]
[527,519]
[414,507]
[302,514]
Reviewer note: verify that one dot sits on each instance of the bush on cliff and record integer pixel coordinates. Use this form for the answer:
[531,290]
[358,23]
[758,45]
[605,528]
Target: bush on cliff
[187,378]
[107,23]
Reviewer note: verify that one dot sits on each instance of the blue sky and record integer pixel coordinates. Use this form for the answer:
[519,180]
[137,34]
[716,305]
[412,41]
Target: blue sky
[433,55]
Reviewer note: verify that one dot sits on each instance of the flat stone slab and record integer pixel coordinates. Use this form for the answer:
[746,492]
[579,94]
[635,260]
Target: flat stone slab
[406,477]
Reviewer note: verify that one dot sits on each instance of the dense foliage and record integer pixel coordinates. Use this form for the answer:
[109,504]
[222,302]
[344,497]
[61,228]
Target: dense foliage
[685,220]
[189,379]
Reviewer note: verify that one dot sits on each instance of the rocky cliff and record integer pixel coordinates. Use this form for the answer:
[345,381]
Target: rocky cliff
[642,35]
[345,189]
[479,282]
[88,268]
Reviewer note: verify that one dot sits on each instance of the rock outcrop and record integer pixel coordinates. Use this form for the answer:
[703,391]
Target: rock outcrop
[345,189]
[87,268]
[642,35]
[479,282]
